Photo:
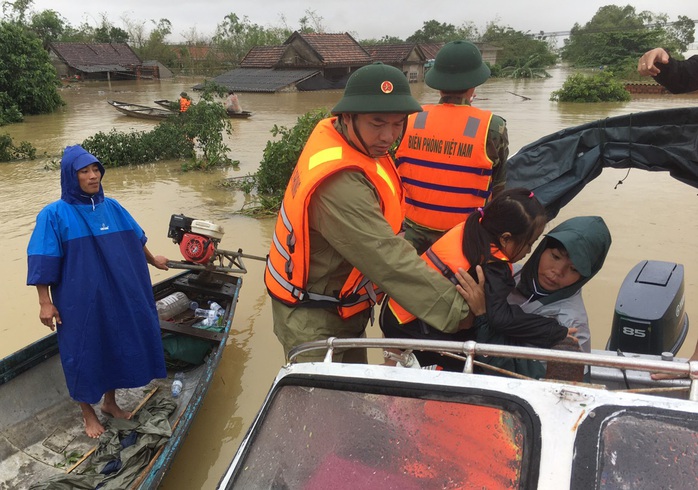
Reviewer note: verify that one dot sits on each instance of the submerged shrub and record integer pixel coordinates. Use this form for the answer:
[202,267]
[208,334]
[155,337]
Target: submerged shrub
[9,152]
[600,87]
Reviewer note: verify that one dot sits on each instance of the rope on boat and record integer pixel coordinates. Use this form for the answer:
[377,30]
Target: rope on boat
[488,366]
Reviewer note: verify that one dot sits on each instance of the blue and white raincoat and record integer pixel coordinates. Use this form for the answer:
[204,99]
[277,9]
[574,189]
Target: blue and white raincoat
[89,250]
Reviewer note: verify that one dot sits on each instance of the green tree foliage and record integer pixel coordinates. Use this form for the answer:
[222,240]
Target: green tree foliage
[115,148]
[235,37]
[9,152]
[278,161]
[196,135]
[49,26]
[433,31]
[383,40]
[529,69]
[152,45]
[27,77]
[107,32]
[16,11]
[521,54]
[600,87]
[279,157]
[617,36]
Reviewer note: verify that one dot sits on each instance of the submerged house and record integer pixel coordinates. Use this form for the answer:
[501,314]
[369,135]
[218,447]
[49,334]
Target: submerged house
[408,58]
[318,61]
[99,61]
[313,61]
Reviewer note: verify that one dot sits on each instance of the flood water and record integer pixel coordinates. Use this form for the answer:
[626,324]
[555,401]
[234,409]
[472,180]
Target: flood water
[651,216]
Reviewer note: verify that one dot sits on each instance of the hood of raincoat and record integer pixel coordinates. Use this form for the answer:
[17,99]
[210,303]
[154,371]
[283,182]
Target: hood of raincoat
[587,241]
[74,159]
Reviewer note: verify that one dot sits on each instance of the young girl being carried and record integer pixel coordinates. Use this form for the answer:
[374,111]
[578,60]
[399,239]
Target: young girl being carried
[493,237]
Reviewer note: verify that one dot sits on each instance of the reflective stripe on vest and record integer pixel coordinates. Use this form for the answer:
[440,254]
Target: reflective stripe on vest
[446,256]
[443,164]
[286,275]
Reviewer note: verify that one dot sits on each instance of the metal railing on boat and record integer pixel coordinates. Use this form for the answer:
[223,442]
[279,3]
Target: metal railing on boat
[470,349]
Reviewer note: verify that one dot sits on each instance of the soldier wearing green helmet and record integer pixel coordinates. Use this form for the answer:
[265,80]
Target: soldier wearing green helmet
[336,247]
[452,157]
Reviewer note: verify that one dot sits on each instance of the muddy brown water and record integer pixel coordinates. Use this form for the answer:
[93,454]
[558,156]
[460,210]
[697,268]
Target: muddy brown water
[651,216]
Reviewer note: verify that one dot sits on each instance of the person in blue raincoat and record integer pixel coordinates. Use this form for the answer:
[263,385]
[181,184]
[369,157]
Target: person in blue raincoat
[88,260]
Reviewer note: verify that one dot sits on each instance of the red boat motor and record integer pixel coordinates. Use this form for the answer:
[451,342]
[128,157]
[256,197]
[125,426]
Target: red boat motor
[650,315]
[198,240]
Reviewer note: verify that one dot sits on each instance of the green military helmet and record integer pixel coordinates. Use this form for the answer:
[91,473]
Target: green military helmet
[377,88]
[458,67]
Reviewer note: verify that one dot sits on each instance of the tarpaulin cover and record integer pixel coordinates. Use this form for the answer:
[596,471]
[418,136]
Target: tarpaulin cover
[558,166]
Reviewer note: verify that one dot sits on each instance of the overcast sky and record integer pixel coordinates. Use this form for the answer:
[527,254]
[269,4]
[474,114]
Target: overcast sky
[363,19]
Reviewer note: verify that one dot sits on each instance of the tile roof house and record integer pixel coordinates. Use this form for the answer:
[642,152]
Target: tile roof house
[318,61]
[98,61]
[313,61]
[408,58]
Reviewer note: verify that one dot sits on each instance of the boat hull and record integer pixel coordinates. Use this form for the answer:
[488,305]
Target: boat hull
[41,427]
[141,111]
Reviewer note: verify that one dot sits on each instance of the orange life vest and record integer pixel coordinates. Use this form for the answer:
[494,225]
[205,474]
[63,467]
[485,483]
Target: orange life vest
[184,104]
[443,163]
[286,273]
[446,256]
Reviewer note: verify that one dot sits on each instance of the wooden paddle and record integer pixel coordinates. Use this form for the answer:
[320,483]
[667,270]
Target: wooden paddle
[89,453]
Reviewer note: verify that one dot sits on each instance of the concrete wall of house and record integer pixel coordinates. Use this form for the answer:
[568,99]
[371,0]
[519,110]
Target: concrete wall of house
[489,56]
[62,69]
[300,55]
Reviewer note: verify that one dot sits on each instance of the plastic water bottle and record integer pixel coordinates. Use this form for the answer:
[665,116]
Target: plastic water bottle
[216,307]
[193,305]
[172,305]
[177,384]
[204,313]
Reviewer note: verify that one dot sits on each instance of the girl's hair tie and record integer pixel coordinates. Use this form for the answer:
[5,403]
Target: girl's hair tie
[530,195]
[482,215]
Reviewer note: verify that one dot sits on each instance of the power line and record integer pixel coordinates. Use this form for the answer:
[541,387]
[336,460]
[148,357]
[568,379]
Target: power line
[619,29]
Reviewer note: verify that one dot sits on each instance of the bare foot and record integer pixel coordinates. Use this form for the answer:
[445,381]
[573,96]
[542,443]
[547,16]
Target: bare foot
[115,411]
[93,427]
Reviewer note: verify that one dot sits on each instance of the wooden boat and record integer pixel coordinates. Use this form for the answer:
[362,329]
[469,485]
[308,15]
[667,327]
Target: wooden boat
[174,106]
[41,430]
[140,111]
[342,426]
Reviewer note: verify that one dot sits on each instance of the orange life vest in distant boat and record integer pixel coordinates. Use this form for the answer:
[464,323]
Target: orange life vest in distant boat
[443,163]
[184,104]
[446,256]
[286,273]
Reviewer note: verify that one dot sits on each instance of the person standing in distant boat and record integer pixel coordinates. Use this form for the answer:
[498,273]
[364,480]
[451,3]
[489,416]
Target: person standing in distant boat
[184,102]
[88,260]
[676,76]
[452,157]
[232,104]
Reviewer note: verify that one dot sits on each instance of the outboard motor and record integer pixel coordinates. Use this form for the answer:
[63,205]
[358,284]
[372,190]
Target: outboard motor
[650,315]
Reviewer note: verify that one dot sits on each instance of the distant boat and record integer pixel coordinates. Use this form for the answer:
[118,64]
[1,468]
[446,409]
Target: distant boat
[173,106]
[140,111]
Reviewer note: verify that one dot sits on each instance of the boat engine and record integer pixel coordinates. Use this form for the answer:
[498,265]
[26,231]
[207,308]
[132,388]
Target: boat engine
[198,240]
[650,314]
